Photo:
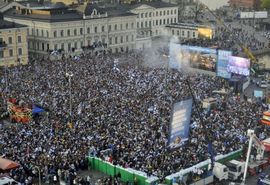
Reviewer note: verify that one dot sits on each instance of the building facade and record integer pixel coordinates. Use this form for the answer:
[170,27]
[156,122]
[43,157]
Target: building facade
[54,29]
[13,44]
[190,31]
[250,4]
[115,29]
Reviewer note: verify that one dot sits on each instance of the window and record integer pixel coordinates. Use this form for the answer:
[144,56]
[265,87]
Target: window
[121,40]
[68,32]
[115,40]
[193,34]
[11,53]
[141,24]
[48,47]
[168,21]
[1,54]
[37,32]
[42,46]
[115,27]
[141,15]
[75,31]
[149,23]
[145,24]
[168,12]
[174,20]
[164,21]
[171,11]
[126,25]
[177,32]
[102,28]
[157,22]
[81,31]
[54,34]
[146,14]
[47,33]
[63,46]
[69,46]
[127,38]
[10,40]
[95,29]
[62,33]
[110,27]
[164,12]
[160,13]
[175,11]
[156,13]
[19,39]
[55,47]
[160,22]
[42,33]
[88,30]
[110,40]
[138,25]
[183,33]
[150,14]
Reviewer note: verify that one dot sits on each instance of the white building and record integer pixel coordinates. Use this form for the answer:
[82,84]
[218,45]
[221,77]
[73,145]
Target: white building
[190,31]
[113,28]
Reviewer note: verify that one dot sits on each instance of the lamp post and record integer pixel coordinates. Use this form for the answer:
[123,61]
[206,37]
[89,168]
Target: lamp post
[69,75]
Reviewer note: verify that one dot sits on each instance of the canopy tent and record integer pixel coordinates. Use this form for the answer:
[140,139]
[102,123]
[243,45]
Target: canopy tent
[6,164]
[37,110]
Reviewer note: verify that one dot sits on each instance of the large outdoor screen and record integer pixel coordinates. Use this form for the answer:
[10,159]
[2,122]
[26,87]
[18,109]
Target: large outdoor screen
[222,64]
[193,56]
[238,65]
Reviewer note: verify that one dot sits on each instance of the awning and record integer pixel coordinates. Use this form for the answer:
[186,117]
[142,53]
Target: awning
[6,164]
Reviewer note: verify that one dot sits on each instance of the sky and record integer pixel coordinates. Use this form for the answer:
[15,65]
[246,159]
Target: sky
[213,4]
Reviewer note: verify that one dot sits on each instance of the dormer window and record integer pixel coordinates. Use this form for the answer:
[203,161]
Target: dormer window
[94,12]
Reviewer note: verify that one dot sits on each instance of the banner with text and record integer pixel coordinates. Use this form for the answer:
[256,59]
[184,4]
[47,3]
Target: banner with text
[179,129]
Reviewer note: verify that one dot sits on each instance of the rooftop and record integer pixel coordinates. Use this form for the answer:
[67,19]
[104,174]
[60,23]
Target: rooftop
[6,25]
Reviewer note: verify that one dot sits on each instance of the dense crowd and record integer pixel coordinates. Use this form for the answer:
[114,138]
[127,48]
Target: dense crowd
[121,107]
[229,40]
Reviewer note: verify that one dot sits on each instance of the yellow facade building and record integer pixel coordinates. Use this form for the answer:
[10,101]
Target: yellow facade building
[13,44]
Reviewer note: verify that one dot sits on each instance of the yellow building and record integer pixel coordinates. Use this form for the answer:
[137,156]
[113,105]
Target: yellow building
[66,2]
[13,44]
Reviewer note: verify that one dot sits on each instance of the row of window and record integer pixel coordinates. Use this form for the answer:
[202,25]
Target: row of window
[112,40]
[145,24]
[80,31]
[177,32]
[158,13]
[10,40]
[11,53]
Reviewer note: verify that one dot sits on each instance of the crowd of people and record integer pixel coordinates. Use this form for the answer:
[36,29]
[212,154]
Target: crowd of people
[119,106]
[230,40]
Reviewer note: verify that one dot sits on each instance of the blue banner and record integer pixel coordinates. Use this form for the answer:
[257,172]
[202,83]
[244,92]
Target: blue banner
[179,129]
[222,63]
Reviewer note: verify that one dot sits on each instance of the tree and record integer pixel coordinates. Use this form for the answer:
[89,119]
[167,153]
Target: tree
[197,10]
[265,4]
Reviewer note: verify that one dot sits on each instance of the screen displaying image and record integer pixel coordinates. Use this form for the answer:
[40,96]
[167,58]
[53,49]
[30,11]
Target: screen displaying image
[238,65]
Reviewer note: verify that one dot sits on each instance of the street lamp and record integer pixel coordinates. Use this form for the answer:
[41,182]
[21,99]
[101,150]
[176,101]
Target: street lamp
[69,75]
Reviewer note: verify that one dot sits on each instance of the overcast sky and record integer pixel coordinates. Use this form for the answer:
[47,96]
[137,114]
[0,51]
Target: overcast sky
[213,4]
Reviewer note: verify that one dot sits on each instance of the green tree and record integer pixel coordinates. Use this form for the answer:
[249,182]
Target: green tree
[265,4]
